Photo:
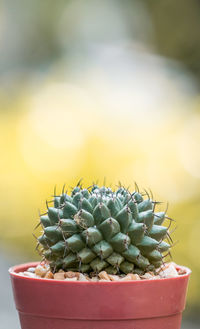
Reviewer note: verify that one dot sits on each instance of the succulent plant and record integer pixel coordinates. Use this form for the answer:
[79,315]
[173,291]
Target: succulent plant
[97,229]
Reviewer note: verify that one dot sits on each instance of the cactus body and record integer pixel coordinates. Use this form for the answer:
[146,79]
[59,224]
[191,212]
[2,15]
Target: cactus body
[97,228]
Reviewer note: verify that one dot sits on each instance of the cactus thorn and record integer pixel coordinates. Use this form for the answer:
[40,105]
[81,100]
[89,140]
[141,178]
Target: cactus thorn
[38,224]
[54,190]
[151,193]
[173,230]
[147,193]
[63,189]
[136,187]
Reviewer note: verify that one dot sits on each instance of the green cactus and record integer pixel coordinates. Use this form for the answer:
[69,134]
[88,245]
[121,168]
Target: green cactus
[99,229]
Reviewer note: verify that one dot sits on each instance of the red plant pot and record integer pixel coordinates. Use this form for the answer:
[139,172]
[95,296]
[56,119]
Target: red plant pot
[53,304]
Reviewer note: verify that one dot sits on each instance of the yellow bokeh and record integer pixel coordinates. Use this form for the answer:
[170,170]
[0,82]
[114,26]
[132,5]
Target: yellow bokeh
[59,133]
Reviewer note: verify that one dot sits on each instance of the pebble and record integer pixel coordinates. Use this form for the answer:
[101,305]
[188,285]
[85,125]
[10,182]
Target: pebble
[168,271]
[83,277]
[41,270]
[148,276]
[29,274]
[21,273]
[49,275]
[181,271]
[130,277]
[155,277]
[59,276]
[94,279]
[31,269]
[71,274]
[103,275]
[71,279]
[114,277]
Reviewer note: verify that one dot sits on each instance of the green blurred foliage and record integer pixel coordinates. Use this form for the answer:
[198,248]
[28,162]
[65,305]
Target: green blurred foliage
[176,27]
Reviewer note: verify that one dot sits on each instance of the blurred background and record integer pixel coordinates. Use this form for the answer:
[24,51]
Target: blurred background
[98,89]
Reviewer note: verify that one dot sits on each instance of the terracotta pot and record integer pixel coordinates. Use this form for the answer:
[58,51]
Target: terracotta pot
[53,304]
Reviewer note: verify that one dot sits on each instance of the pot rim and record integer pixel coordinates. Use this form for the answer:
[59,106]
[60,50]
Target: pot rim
[21,267]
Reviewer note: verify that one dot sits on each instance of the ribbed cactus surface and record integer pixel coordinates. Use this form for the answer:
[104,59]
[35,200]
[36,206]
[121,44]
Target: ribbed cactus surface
[99,229]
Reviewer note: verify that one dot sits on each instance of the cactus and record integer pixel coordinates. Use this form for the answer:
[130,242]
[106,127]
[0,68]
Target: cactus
[99,229]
